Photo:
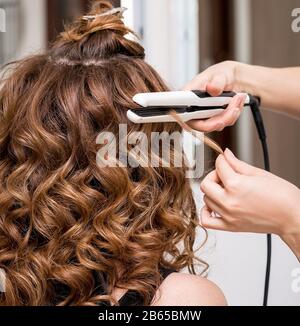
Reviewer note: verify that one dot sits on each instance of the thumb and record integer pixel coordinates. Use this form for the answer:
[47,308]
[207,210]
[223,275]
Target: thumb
[199,82]
[240,166]
[217,85]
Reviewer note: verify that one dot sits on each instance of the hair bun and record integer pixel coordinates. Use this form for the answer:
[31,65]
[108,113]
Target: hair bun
[95,37]
[95,21]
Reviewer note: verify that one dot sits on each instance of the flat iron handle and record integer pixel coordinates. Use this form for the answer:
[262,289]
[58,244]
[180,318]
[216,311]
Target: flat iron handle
[184,98]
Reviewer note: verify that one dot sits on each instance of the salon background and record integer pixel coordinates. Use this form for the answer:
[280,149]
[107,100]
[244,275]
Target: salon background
[182,38]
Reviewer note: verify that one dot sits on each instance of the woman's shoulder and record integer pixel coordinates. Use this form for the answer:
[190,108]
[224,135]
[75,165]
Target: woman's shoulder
[180,289]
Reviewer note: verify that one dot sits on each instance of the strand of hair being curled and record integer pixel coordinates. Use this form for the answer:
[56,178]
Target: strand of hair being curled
[70,231]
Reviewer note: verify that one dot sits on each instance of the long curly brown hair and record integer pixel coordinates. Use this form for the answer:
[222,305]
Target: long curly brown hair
[70,231]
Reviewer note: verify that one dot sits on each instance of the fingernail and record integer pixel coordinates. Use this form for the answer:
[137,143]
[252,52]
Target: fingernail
[220,157]
[242,99]
[229,152]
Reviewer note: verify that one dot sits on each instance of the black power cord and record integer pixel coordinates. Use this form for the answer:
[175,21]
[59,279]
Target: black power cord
[259,123]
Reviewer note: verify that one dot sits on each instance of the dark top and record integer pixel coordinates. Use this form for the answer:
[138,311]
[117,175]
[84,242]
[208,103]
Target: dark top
[130,298]
[133,298]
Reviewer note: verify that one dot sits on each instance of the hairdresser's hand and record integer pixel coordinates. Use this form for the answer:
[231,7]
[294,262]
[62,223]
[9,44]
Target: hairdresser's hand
[248,199]
[215,80]
[278,89]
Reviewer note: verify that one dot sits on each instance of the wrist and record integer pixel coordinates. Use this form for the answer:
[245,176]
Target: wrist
[244,81]
[291,232]
[293,242]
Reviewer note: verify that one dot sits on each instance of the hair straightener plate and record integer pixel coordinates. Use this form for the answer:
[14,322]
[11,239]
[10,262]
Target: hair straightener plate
[189,105]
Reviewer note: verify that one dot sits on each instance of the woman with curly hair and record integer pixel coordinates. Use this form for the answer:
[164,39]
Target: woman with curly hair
[74,233]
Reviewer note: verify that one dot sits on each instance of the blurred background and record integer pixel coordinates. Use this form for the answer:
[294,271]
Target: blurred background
[181,39]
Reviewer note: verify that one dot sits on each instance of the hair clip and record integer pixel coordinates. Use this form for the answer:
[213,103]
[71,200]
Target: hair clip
[107,13]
